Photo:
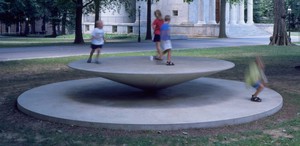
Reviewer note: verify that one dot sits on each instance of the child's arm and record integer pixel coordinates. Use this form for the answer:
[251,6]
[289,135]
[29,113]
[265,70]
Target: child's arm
[154,25]
[104,39]
[260,62]
[263,76]
[261,67]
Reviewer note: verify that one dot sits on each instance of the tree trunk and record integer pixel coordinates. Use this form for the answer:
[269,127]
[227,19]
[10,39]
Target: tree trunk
[58,27]
[32,25]
[148,32]
[63,23]
[54,34]
[222,32]
[54,21]
[78,23]
[26,31]
[44,24]
[279,36]
[21,29]
[7,29]
[17,27]
[97,10]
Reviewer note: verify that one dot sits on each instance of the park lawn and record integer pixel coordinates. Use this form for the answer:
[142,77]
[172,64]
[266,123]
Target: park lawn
[295,33]
[8,42]
[281,128]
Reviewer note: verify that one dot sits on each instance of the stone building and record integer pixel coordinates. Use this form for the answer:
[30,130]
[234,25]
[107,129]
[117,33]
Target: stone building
[200,18]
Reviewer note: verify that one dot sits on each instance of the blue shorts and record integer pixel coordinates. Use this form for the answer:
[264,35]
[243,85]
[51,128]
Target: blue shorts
[96,46]
[156,38]
[256,85]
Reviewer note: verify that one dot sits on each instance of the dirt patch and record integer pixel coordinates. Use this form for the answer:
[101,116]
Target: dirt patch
[278,133]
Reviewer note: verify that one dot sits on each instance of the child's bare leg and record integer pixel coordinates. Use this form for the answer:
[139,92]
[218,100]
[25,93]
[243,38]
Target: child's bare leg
[159,54]
[259,89]
[169,57]
[98,54]
[169,54]
[91,55]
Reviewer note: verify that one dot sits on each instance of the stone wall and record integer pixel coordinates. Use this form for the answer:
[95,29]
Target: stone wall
[266,27]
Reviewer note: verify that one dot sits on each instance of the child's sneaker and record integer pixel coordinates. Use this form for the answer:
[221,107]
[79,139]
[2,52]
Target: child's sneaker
[255,99]
[169,63]
[157,58]
[151,58]
[89,61]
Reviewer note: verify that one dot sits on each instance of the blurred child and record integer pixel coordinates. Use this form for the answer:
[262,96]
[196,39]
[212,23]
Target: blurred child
[97,41]
[256,78]
[166,39]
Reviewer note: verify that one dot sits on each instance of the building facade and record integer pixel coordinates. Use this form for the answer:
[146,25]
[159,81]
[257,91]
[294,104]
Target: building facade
[199,18]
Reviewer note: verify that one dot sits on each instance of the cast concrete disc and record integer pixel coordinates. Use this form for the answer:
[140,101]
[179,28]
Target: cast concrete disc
[146,74]
[98,102]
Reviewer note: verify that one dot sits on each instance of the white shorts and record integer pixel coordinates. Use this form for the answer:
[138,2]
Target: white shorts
[166,44]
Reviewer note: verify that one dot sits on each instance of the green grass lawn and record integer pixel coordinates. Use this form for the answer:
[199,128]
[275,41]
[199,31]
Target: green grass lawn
[6,42]
[295,33]
[279,129]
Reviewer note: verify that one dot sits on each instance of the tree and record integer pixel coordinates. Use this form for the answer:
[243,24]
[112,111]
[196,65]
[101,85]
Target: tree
[54,20]
[280,36]
[97,10]
[148,31]
[78,20]
[32,13]
[113,5]
[66,10]
[16,11]
[54,11]
[295,14]
[263,11]
[222,27]
[222,32]
[79,10]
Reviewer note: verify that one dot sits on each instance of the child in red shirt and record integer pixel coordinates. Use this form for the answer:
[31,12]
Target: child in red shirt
[156,25]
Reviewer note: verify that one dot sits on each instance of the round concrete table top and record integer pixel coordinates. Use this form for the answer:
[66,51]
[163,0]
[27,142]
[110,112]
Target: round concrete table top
[146,74]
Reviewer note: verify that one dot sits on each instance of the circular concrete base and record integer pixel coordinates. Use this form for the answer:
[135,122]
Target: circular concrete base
[98,102]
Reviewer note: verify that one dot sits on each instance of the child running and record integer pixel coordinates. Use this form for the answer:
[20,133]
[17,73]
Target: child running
[97,41]
[166,39]
[256,78]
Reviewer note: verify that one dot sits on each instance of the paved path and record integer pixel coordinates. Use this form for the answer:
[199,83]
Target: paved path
[7,54]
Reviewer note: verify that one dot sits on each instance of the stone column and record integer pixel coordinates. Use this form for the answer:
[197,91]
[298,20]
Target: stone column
[212,12]
[136,13]
[227,12]
[201,18]
[242,14]
[233,14]
[250,12]
[143,6]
